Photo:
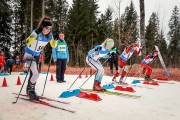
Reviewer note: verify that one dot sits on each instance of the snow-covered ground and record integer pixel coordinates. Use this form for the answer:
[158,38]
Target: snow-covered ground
[156,102]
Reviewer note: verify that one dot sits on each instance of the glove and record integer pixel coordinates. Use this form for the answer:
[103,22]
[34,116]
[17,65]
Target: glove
[39,30]
[98,48]
[56,37]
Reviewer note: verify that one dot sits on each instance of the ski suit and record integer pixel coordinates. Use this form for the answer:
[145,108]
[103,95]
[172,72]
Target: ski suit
[32,51]
[127,53]
[92,60]
[145,63]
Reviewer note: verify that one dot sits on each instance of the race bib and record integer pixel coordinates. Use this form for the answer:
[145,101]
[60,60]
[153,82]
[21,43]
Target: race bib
[61,48]
[39,47]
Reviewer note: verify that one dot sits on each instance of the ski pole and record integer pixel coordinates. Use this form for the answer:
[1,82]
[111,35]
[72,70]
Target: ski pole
[92,75]
[27,73]
[127,73]
[47,74]
[77,78]
[140,69]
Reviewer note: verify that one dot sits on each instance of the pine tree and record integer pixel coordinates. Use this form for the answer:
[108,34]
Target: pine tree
[163,48]
[5,22]
[105,26]
[152,33]
[129,31]
[19,26]
[129,22]
[57,10]
[174,38]
[81,26]
[142,26]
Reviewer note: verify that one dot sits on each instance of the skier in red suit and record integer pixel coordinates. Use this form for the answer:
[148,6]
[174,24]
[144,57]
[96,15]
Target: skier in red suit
[145,64]
[127,53]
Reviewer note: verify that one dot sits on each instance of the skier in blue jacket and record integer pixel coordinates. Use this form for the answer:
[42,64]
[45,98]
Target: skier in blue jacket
[92,59]
[35,43]
[61,58]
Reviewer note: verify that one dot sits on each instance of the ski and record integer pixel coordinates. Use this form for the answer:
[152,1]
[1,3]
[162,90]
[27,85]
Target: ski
[162,62]
[131,85]
[164,82]
[112,93]
[41,102]
[46,98]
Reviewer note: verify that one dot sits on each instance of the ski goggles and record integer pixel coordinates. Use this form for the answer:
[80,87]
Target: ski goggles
[48,28]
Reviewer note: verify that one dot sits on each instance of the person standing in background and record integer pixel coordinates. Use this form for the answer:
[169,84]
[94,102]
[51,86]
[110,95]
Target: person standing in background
[60,57]
[113,59]
[10,63]
[17,62]
[2,62]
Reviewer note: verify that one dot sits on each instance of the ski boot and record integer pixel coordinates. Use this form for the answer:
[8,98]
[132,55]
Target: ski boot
[121,82]
[30,91]
[97,86]
[147,78]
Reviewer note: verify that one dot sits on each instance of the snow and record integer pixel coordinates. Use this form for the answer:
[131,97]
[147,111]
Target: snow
[156,102]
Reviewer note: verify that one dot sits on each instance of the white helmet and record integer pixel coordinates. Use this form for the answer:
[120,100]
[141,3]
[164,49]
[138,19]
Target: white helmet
[109,43]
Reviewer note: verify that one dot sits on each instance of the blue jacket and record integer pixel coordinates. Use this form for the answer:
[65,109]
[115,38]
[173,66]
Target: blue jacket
[98,52]
[61,51]
[34,48]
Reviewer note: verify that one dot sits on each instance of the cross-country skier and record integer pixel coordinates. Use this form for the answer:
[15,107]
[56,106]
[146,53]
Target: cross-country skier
[145,64]
[38,39]
[92,60]
[127,53]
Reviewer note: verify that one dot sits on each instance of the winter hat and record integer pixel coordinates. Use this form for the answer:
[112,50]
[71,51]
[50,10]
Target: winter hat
[46,22]
[110,42]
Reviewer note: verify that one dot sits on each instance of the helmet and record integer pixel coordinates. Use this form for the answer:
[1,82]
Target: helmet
[155,51]
[109,43]
[135,45]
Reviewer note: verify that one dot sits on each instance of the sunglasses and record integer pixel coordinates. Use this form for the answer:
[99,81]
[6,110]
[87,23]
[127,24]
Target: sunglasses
[48,28]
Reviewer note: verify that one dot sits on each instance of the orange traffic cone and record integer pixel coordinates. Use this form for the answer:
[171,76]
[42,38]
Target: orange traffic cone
[52,79]
[18,81]
[4,83]
[80,76]
[86,75]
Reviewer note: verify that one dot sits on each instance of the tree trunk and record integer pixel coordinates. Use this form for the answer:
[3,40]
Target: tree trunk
[32,2]
[142,26]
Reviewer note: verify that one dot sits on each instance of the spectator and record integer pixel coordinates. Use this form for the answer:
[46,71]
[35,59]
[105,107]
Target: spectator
[60,57]
[9,64]
[2,62]
[17,62]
